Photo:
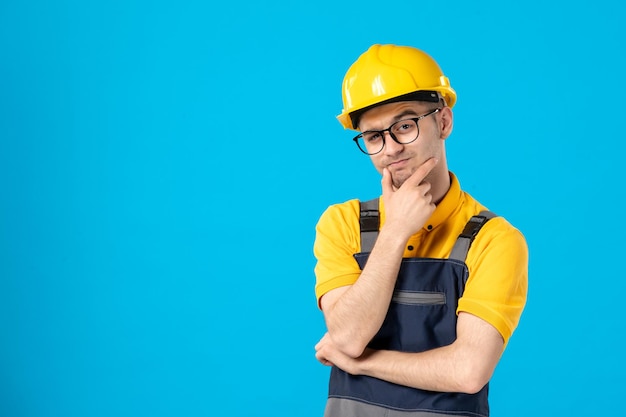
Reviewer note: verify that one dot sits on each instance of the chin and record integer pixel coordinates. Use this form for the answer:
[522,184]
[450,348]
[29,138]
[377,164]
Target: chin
[400,177]
[398,182]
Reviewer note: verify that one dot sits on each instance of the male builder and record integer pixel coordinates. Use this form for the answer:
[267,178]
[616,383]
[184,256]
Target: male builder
[422,288]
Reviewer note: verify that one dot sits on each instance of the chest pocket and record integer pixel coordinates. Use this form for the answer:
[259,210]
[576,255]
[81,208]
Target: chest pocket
[418,298]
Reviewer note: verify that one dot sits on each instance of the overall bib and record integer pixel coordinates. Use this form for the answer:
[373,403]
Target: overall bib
[421,316]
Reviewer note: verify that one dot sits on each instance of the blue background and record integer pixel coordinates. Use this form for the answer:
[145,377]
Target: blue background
[163,165]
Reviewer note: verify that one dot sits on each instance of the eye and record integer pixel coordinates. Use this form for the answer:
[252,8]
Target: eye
[404,126]
[372,137]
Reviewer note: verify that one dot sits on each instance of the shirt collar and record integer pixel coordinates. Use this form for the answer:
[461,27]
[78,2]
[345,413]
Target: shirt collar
[447,205]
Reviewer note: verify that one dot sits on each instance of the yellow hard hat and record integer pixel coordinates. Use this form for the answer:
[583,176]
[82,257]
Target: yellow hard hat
[388,73]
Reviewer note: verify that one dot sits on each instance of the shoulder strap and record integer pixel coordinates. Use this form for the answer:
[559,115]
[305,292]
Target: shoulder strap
[370,222]
[465,239]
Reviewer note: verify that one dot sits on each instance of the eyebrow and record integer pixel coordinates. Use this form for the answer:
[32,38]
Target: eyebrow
[403,115]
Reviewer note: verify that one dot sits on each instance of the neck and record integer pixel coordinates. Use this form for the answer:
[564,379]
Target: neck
[439,182]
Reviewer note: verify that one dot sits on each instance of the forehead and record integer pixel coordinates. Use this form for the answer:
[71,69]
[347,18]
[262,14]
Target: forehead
[382,116]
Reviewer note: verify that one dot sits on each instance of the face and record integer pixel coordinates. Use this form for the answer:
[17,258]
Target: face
[403,159]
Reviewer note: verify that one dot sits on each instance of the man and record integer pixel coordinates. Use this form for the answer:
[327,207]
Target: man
[422,288]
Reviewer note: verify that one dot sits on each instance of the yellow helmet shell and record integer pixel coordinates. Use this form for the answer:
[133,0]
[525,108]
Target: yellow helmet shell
[385,72]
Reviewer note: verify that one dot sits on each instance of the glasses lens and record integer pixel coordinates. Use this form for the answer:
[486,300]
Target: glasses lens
[405,131]
[370,142]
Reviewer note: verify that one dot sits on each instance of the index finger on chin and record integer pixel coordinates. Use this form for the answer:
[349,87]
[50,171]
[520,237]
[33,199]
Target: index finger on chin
[422,171]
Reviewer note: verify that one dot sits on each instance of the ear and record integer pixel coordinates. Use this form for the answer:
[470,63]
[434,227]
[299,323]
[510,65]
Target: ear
[446,122]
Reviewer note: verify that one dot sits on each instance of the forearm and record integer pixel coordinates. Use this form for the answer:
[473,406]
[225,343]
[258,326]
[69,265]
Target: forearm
[356,316]
[464,366]
[441,370]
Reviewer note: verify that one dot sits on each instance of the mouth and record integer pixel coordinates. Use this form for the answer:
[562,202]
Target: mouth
[397,164]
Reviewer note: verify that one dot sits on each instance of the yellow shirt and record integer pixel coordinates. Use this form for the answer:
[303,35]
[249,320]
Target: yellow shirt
[497,260]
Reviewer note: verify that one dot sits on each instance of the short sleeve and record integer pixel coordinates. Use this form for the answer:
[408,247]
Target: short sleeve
[336,241]
[497,286]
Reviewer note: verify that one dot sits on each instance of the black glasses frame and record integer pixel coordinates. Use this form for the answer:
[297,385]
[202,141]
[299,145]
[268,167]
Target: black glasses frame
[382,132]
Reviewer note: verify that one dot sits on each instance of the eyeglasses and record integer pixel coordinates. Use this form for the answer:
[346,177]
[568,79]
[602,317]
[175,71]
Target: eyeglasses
[403,132]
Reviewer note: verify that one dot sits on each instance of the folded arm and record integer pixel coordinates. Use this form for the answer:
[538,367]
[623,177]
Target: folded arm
[355,313]
[464,366]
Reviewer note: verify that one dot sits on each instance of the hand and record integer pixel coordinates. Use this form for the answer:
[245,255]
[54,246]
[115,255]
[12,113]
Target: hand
[408,207]
[327,354]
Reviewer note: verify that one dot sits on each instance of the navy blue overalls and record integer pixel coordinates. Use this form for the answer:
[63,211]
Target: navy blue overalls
[421,316]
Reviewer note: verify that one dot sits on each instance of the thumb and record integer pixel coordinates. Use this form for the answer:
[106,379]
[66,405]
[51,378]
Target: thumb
[387,182]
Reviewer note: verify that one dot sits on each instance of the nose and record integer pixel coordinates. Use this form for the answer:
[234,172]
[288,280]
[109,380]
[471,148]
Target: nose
[391,146]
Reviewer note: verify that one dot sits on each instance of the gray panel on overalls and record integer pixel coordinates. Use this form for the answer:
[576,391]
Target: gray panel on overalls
[421,316]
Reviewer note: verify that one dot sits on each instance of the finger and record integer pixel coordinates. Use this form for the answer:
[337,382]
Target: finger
[319,344]
[321,359]
[322,341]
[424,187]
[325,362]
[421,172]
[387,182]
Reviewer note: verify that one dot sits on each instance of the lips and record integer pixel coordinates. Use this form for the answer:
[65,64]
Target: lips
[397,164]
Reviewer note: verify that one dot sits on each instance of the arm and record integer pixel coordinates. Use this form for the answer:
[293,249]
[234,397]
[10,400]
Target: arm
[464,366]
[355,313]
